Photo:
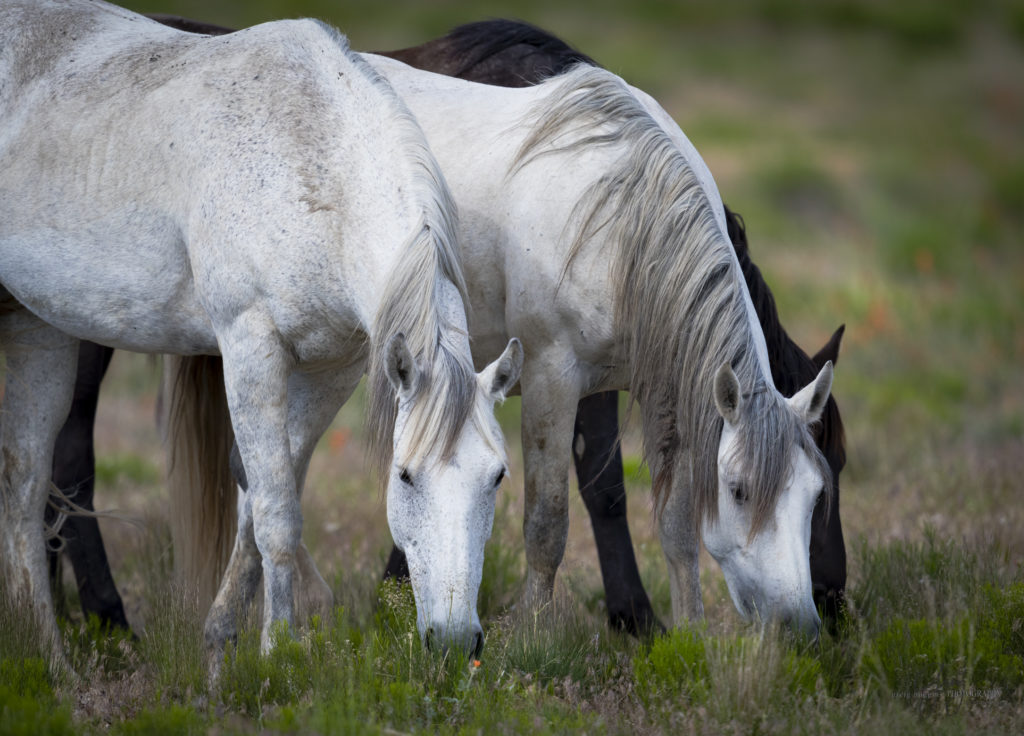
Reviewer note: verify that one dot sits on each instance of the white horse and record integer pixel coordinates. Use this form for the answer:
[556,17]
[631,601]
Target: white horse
[266,197]
[593,230]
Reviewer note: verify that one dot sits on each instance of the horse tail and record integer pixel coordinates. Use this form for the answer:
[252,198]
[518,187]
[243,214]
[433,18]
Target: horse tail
[199,481]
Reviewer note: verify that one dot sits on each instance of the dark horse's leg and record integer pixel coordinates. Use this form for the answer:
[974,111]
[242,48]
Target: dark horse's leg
[599,472]
[74,470]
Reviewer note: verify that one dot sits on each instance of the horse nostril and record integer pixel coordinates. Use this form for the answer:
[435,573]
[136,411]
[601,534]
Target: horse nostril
[428,637]
[478,644]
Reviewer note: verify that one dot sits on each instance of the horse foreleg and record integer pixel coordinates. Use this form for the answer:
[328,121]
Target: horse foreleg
[548,411]
[598,460]
[39,383]
[74,472]
[313,400]
[681,545]
[237,586]
[256,372]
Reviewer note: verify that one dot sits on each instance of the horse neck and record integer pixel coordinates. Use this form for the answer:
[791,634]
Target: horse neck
[710,188]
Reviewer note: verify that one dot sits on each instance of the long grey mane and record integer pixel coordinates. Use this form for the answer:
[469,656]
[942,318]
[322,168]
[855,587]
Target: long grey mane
[412,305]
[678,295]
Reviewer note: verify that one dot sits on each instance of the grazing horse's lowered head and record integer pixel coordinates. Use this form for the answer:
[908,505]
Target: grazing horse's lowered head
[441,503]
[731,458]
[761,543]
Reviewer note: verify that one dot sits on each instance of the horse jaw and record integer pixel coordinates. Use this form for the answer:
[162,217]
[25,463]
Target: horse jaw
[768,576]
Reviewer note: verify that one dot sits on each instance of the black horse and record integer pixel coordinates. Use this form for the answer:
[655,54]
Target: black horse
[510,54]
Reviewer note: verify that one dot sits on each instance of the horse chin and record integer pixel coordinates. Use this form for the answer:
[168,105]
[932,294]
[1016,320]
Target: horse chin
[795,613]
[446,618]
[450,633]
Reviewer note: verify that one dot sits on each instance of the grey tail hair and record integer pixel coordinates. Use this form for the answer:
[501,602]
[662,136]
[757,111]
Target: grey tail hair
[199,481]
[679,298]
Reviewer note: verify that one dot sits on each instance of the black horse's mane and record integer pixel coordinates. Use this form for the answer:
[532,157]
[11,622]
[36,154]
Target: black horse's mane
[792,368]
[478,42]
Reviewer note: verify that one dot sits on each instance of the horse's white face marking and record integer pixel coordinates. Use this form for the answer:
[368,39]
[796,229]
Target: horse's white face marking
[769,575]
[441,511]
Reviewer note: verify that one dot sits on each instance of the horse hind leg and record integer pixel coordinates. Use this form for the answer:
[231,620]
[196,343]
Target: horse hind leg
[39,383]
[74,472]
[598,461]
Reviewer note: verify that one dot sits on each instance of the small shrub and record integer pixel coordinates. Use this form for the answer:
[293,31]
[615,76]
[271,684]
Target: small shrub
[95,646]
[674,666]
[32,713]
[1001,636]
[26,678]
[250,680]
[730,676]
[930,663]
[175,720]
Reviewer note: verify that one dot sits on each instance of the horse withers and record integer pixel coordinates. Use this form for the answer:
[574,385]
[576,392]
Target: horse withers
[265,197]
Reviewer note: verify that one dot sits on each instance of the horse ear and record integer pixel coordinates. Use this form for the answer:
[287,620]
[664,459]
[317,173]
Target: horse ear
[728,398]
[831,350]
[401,367]
[500,376]
[809,401]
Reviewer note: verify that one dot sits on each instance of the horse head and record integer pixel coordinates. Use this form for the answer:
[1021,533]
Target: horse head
[441,504]
[761,539]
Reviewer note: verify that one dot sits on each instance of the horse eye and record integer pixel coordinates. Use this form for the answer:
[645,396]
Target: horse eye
[739,495]
[499,477]
[405,477]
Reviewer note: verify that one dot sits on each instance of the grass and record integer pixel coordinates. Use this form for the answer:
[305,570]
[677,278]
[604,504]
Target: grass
[874,150]
[938,634]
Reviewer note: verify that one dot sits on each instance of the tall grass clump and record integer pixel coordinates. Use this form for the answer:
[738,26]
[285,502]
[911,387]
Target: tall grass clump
[937,577]
[173,642]
[249,681]
[745,676]
[19,636]
[554,643]
[28,705]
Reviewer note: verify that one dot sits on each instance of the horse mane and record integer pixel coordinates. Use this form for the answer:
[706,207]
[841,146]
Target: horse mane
[412,304]
[477,42]
[792,368]
[679,300]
